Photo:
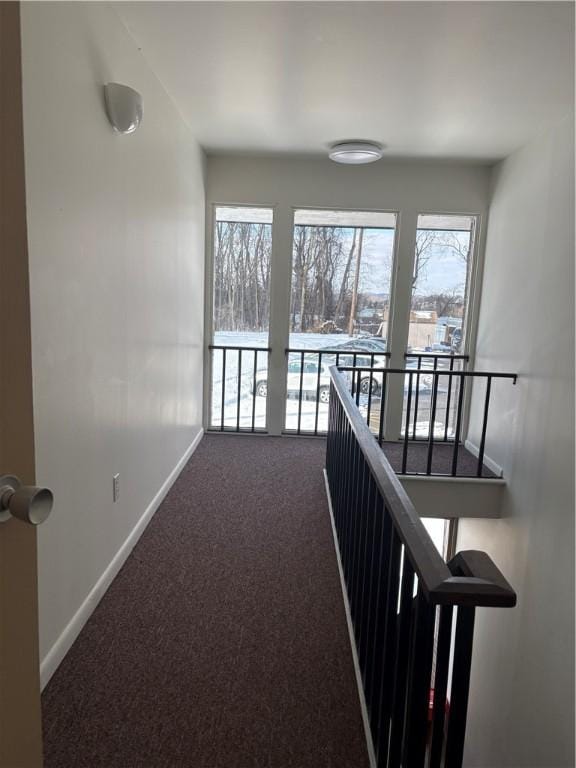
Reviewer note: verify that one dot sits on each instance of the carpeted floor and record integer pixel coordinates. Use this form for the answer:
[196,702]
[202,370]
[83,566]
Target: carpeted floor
[222,643]
[441,459]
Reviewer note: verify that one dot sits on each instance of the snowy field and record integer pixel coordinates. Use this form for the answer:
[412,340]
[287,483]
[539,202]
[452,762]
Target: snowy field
[244,391]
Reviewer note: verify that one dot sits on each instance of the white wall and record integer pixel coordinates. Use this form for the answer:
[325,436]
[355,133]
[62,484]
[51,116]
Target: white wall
[387,185]
[116,232]
[522,706]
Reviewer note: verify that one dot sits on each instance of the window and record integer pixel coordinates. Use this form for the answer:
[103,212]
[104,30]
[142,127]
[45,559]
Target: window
[338,313]
[242,248]
[438,316]
[341,273]
[440,280]
[241,286]
[340,301]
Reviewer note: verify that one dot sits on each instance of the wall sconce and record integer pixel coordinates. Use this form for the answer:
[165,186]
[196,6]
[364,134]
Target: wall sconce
[123,107]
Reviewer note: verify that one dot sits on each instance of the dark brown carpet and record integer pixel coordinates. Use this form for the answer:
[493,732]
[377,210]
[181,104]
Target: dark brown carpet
[441,459]
[222,643]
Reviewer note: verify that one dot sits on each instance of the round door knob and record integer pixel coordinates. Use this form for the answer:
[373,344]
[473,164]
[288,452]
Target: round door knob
[28,503]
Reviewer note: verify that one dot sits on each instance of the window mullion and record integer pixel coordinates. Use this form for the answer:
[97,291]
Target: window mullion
[400,318]
[280,281]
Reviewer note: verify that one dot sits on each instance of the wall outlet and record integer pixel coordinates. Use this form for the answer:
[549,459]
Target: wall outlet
[116,487]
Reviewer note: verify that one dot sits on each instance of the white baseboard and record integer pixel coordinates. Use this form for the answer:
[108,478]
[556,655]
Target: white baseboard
[56,654]
[363,707]
[492,466]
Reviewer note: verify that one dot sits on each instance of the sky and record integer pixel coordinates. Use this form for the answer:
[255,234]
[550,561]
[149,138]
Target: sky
[444,271]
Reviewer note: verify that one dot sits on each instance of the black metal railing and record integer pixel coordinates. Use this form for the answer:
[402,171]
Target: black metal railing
[239,377]
[308,381]
[426,361]
[404,600]
[415,383]
[440,360]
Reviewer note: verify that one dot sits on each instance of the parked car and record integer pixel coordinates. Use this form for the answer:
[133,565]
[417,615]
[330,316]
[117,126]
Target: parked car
[311,385]
[372,344]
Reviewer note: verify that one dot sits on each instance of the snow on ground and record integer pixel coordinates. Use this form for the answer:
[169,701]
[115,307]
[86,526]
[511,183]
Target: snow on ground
[308,414]
[250,406]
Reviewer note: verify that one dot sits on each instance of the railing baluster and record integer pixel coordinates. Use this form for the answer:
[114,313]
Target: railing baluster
[460,687]
[387,628]
[370,385]
[416,398]
[318,393]
[355,531]
[357,506]
[346,479]
[367,575]
[382,409]
[254,389]
[458,427]
[401,670]
[484,425]
[375,532]
[300,393]
[432,420]
[342,475]
[448,397]
[382,536]
[435,368]
[407,425]
[441,684]
[350,503]
[238,390]
[363,499]
[223,390]
[420,679]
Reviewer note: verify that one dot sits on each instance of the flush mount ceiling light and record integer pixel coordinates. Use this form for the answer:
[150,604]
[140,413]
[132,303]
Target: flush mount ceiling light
[123,107]
[355,152]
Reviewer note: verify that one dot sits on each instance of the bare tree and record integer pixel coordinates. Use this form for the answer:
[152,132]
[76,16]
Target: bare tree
[429,241]
[241,276]
[344,284]
[354,301]
[448,304]
[425,242]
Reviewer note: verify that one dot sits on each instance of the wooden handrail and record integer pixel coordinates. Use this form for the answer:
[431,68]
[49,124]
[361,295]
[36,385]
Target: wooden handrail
[471,578]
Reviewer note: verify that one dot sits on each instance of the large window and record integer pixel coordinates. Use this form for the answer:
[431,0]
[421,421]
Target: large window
[440,283]
[242,246]
[337,310]
[438,315]
[341,272]
[339,303]
[241,288]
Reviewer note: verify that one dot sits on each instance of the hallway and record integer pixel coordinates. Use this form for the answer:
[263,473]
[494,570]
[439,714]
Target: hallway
[223,640]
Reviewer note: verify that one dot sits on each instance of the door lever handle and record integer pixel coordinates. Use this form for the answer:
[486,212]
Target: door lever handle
[26,502]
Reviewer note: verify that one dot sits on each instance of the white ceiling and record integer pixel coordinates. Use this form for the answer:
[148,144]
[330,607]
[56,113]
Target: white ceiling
[470,80]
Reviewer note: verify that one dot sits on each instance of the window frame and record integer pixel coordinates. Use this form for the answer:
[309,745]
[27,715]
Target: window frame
[208,317]
[280,293]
